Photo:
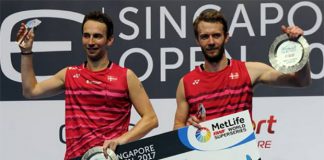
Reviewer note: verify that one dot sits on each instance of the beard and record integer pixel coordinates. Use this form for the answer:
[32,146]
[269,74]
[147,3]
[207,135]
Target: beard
[213,59]
[95,55]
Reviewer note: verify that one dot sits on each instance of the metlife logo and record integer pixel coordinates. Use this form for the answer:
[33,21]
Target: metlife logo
[155,39]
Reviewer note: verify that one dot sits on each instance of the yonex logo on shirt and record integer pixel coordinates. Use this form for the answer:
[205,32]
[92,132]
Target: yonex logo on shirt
[195,82]
[76,75]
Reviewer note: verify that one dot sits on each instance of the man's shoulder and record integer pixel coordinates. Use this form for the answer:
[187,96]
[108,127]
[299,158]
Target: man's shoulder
[193,73]
[74,67]
[117,67]
[237,61]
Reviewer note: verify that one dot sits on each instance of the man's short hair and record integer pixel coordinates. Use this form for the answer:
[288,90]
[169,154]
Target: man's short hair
[100,17]
[212,16]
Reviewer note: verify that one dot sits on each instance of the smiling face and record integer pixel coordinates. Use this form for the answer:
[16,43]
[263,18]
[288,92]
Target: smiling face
[211,38]
[95,40]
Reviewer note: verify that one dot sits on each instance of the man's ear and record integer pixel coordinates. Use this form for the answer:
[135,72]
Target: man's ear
[226,37]
[197,41]
[110,41]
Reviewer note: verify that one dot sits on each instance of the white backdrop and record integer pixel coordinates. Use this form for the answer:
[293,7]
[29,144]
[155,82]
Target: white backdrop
[30,129]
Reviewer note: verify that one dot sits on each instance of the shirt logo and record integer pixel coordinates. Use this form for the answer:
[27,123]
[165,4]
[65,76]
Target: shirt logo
[77,75]
[195,82]
[72,68]
[93,82]
[112,78]
[234,75]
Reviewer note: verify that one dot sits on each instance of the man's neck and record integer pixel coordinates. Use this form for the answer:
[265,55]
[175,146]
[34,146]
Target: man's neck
[216,66]
[97,65]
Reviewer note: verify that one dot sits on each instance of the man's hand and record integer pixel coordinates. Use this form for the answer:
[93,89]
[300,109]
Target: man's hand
[111,144]
[293,32]
[25,38]
[199,117]
[193,120]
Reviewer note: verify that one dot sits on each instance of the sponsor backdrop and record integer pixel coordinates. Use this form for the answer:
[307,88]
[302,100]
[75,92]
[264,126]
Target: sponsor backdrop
[155,39]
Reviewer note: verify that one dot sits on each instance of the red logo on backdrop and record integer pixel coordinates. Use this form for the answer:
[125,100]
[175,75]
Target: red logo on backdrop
[265,126]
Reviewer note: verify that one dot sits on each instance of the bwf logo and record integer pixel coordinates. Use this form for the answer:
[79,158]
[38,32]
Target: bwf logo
[203,135]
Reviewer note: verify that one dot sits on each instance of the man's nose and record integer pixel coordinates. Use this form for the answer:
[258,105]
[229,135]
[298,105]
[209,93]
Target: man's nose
[211,40]
[91,40]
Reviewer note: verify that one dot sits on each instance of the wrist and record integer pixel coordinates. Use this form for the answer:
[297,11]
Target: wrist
[26,52]
[122,140]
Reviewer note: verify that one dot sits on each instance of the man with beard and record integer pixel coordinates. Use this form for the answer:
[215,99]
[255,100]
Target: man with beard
[225,86]
[99,94]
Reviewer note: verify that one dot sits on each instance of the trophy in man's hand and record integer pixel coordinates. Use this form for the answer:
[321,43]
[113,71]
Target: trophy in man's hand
[30,25]
[289,55]
[96,153]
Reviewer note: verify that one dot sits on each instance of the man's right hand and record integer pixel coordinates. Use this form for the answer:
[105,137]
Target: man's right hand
[25,38]
[193,120]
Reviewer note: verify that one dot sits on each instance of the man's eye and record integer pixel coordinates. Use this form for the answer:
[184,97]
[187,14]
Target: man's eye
[203,37]
[97,36]
[86,35]
[217,35]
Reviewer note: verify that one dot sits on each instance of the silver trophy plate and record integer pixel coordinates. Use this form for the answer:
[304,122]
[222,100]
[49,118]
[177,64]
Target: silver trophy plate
[96,153]
[288,55]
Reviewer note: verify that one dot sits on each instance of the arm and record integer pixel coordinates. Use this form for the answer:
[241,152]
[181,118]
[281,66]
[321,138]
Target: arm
[182,111]
[182,118]
[143,107]
[262,73]
[31,88]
